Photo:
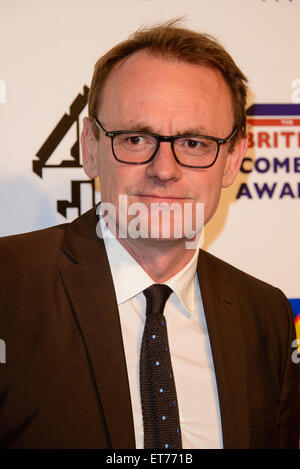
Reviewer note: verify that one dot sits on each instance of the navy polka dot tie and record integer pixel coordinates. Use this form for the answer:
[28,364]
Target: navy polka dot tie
[158,392]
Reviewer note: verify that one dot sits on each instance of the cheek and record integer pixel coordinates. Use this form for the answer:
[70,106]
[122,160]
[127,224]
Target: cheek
[108,169]
[207,183]
[207,187]
[115,178]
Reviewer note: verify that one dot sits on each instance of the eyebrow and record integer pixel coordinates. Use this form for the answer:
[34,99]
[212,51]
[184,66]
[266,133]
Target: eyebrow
[139,127]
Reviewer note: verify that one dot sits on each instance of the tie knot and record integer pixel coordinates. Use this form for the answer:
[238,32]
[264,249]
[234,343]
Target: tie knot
[156,297]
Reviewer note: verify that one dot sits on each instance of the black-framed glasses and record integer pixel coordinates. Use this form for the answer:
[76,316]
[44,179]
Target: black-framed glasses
[192,151]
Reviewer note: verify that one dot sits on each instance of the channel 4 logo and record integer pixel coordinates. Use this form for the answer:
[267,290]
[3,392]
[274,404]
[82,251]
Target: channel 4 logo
[82,189]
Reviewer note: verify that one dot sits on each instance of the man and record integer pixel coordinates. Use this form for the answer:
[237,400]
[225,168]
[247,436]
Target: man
[166,126]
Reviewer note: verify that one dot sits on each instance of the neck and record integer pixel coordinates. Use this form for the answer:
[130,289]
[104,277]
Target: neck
[160,259]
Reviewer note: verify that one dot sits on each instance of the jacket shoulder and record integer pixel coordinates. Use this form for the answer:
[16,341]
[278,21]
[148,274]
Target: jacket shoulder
[35,246]
[235,276]
[256,299]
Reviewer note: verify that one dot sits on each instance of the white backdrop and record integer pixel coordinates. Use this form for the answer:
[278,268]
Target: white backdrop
[47,52]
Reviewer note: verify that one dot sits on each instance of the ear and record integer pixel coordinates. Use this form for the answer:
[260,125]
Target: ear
[89,149]
[234,161]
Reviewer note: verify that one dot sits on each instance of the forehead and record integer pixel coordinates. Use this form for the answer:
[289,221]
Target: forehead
[143,85]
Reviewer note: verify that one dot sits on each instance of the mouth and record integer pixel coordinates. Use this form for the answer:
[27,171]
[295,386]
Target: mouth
[162,198]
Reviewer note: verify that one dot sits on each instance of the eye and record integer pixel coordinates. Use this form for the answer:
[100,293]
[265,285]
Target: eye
[192,144]
[136,139]
[133,140]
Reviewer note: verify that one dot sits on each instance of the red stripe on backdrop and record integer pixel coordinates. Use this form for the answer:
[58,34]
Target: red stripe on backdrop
[283,122]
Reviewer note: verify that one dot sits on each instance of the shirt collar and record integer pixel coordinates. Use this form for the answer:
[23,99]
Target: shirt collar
[130,278]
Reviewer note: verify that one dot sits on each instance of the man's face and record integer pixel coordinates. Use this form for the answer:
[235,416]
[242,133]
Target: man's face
[166,97]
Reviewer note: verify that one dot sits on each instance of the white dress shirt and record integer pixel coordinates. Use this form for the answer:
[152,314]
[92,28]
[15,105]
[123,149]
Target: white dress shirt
[188,342]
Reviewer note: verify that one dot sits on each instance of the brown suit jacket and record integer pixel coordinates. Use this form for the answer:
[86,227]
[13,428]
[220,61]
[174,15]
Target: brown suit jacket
[64,383]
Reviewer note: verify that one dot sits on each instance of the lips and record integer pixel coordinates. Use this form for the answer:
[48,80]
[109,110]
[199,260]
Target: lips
[162,197]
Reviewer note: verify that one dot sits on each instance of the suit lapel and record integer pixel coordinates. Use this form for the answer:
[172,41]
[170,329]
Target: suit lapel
[86,275]
[228,348]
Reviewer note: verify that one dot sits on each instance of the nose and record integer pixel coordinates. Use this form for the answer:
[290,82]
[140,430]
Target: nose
[164,167]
